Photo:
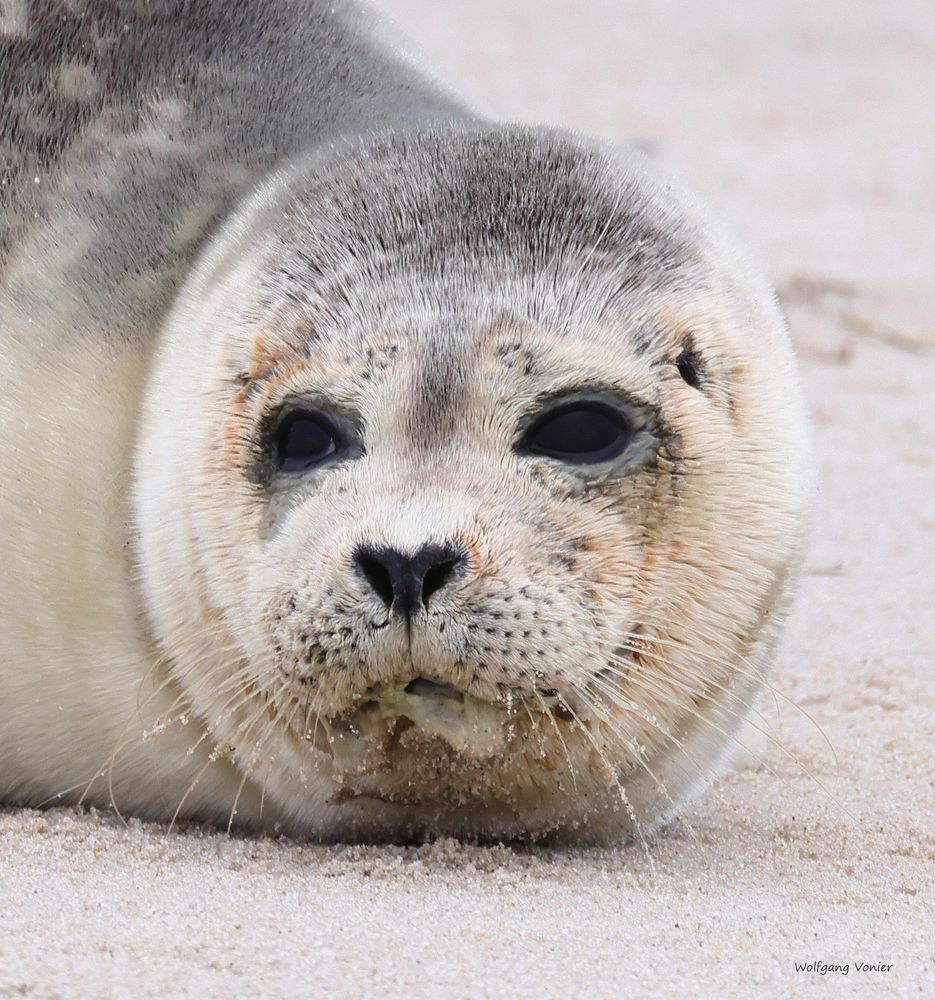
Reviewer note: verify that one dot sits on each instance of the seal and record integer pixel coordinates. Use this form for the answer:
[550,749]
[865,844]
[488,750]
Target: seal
[370,468]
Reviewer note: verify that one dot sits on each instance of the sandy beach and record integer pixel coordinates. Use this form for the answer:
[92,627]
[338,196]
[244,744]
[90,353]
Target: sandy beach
[809,127]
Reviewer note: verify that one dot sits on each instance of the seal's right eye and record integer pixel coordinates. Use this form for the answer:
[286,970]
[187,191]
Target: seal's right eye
[305,438]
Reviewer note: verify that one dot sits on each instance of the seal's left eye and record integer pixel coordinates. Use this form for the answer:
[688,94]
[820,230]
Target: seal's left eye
[304,439]
[582,433]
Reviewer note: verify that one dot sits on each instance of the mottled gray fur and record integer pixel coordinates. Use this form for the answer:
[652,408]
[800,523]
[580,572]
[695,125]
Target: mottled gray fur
[108,107]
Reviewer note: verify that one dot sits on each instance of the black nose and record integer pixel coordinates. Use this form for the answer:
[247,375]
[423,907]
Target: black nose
[406,582]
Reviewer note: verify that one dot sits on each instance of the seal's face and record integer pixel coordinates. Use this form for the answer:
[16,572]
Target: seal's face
[489,497]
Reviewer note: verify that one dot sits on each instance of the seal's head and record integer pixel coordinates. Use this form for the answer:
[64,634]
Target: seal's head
[469,489]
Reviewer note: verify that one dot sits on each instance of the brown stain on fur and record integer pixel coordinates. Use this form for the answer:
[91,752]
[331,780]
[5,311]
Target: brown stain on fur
[245,408]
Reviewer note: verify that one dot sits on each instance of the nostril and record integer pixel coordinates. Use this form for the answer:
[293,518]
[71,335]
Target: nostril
[405,582]
[377,575]
[438,576]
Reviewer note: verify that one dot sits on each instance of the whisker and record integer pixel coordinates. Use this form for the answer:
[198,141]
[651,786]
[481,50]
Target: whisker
[639,752]
[751,672]
[695,713]
[558,732]
[211,760]
[612,773]
[705,681]
[233,812]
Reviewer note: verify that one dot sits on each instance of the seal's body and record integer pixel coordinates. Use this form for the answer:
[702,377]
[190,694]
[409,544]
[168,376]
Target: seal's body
[368,468]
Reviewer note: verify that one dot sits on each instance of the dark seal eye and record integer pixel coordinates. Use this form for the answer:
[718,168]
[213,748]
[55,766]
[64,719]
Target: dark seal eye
[583,433]
[303,439]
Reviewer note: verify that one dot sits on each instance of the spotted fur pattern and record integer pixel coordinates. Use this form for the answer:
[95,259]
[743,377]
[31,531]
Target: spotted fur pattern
[433,279]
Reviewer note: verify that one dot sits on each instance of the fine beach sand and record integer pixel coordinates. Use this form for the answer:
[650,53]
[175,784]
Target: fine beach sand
[809,126]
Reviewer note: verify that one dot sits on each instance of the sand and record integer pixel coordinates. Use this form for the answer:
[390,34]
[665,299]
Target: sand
[814,137]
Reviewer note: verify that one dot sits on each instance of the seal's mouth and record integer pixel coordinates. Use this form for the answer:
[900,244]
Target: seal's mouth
[406,714]
[425,745]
